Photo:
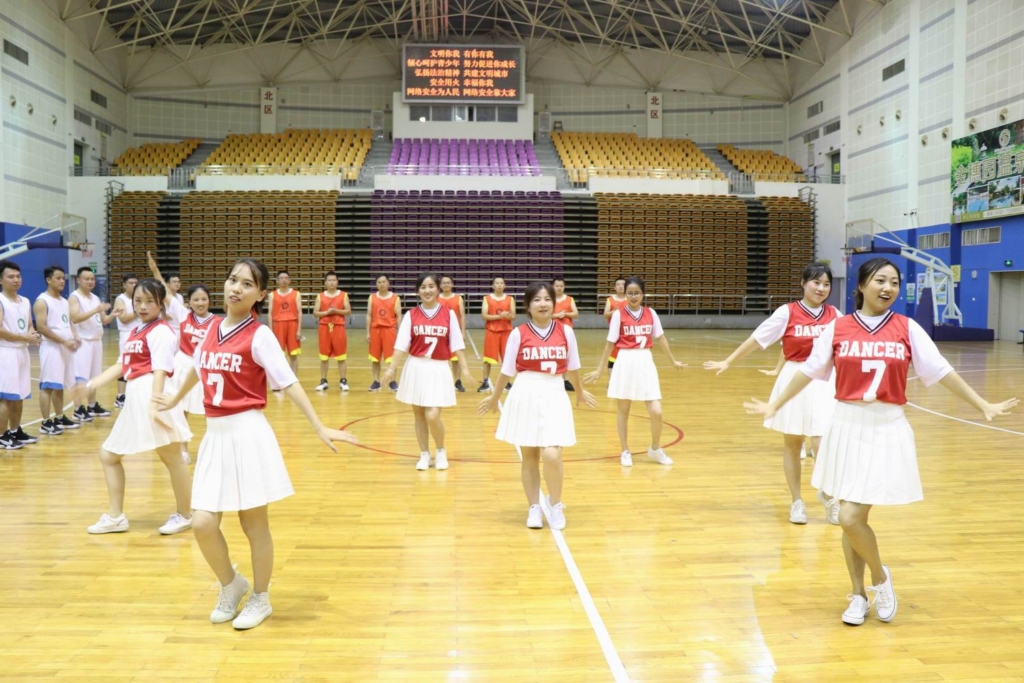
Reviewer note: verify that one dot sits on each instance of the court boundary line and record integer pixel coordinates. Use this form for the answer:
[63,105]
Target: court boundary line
[961,420]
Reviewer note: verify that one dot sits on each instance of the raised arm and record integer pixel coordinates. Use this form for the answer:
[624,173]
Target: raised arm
[962,390]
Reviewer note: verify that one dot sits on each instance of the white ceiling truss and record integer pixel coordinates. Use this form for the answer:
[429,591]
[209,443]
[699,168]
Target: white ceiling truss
[740,47]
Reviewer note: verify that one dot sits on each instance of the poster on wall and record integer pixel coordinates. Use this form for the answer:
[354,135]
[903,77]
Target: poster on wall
[986,173]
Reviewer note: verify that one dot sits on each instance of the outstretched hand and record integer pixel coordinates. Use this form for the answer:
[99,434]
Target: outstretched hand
[164,401]
[586,397]
[756,407]
[992,410]
[719,365]
[329,436]
[678,364]
[488,405]
[771,373]
[592,377]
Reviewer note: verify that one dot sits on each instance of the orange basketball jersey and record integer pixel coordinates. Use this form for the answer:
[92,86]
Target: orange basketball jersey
[383,311]
[494,307]
[453,302]
[336,301]
[564,306]
[285,307]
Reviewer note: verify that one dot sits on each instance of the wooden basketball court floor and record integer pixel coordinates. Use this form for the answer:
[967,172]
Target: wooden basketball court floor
[682,573]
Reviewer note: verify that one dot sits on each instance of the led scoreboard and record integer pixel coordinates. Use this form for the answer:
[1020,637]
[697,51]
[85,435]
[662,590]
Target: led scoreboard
[463,73]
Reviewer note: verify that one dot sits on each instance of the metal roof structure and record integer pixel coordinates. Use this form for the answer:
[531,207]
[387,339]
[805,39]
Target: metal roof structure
[750,38]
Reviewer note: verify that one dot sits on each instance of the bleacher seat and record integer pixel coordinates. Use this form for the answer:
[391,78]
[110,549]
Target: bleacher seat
[292,152]
[154,158]
[790,243]
[624,155]
[763,164]
[462,157]
[133,227]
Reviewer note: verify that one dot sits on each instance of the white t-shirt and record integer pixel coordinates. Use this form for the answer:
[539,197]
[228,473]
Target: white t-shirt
[928,362]
[455,340]
[176,314]
[615,324]
[162,347]
[508,361]
[128,306]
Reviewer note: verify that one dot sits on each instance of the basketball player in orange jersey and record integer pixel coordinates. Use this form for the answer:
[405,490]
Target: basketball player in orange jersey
[454,301]
[332,305]
[284,318]
[565,310]
[382,311]
[616,302]
[498,311]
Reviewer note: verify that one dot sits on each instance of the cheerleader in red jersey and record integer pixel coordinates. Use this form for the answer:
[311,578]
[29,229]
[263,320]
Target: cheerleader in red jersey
[797,325]
[146,361]
[240,467]
[538,416]
[193,331]
[616,302]
[867,454]
[454,301]
[633,331]
[565,311]
[430,335]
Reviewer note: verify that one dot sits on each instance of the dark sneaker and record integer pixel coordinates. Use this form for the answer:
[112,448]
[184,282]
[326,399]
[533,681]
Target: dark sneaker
[50,429]
[322,386]
[8,442]
[24,438]
[375,386]
[569,386]
[484,386]
[393,386]
[98,411]
[344,384]
[508,386]
[81,414]
[119,401]
[65,423]
[459,387]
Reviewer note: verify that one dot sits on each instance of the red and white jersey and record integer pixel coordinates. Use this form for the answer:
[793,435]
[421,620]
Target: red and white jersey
[872,355]
[193,331]
[551,350]
[543,351]
[149,347]
[234,366]
[631,329]
[430,333]
[796,326]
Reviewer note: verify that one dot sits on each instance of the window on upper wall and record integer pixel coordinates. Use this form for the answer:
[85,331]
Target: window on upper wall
[419,112]
[508,114]
[976,236]
[486,113]
[815,109]
[97,98]
[812,136]
[831,128]
[12,50]
[894,69]
[938,240]
[104,128]
[82,117]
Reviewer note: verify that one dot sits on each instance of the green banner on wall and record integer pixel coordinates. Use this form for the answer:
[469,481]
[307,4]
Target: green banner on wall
[987,169]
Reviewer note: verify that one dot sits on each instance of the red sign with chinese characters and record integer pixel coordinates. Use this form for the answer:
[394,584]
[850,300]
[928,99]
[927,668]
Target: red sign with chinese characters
[463,73]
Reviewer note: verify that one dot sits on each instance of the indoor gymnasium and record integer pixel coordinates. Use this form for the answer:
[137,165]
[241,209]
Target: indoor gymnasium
[509,340]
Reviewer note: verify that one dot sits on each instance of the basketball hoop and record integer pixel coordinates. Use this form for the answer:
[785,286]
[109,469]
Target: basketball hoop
[86,248]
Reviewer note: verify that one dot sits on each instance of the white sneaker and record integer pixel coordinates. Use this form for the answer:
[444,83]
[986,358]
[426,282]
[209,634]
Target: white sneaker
[186,458]
[798,512]
[440,459]
[626,459]
[557,515]
[256,610]
[659,456]
[535,518]
[885,597]
[858,609]
[423,463]
[175,525]
[227,602]
[110,525]
[831,507]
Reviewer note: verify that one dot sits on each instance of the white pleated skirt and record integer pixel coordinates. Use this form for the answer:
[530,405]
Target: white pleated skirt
[133,431]
[192,403]
[537,412]
[868,456]
[810,411]
[427,383]
[635,377]
[240,465]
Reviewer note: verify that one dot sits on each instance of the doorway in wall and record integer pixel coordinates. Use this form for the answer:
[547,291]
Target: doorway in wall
[833,164]
[1006,304]
[79,157]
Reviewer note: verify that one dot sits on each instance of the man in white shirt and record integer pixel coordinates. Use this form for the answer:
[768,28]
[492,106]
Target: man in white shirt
[89,315]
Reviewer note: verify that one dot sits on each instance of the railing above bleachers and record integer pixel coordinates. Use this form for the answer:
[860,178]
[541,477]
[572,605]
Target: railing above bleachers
[183,177]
